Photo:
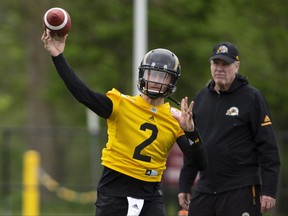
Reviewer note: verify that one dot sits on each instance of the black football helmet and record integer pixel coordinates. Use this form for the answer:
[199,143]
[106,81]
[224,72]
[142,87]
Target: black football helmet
[159,67]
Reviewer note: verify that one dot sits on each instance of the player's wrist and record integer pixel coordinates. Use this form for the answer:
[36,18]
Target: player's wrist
[193,136]
[190,129]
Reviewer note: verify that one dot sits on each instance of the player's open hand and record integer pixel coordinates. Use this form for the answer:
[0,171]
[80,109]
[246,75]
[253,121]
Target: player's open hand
[185,116]
[54,45]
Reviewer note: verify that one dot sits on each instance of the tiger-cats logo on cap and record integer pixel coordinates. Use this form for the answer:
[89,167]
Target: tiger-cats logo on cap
[222,49]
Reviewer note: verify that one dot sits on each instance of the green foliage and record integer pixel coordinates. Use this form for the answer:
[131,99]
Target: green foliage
[100,50]
[11,65]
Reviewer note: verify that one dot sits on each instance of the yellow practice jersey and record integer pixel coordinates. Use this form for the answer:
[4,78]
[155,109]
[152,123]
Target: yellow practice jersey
[140,137]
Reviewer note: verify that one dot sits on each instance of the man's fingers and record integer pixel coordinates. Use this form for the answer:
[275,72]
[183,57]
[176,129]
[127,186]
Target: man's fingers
[267,203]
[184,200]
[191,106]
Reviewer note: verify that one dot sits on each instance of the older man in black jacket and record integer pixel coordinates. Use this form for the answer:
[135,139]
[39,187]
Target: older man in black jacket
[243,159]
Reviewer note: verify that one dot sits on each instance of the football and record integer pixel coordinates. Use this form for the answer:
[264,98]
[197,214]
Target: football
[58,21]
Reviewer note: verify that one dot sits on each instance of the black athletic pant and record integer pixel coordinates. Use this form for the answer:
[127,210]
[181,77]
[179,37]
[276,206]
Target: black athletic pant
[118,206]
[240,202]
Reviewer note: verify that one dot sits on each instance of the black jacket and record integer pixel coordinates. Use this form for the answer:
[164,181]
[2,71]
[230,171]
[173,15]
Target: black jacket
[237,133]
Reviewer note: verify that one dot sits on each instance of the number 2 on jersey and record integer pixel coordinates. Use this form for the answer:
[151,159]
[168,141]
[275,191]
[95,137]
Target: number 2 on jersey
[137,153]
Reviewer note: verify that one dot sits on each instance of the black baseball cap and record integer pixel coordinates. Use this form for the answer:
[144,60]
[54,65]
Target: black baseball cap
[225,51]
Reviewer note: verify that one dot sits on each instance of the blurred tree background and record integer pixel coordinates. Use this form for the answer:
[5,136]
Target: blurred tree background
[33,100]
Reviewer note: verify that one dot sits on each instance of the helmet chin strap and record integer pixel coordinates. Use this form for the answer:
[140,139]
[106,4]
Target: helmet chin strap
[154,95]
[155,92]
[176,102]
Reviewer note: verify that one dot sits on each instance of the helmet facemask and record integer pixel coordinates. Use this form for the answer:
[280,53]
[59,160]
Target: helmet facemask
[158,73]
[157,84]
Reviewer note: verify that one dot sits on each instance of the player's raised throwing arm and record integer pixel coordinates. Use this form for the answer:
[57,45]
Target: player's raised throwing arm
[97,102]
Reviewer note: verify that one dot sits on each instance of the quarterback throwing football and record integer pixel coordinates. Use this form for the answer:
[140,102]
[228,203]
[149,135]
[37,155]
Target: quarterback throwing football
[141,131]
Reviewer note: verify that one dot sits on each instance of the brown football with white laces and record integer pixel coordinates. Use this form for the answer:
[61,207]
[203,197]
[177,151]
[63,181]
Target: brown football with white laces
[58,21]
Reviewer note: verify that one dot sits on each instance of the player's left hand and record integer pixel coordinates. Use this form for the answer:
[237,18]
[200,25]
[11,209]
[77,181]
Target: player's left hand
[267,203]
[185,116]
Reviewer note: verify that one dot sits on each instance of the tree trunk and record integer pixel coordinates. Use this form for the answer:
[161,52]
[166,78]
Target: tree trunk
[40,118]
